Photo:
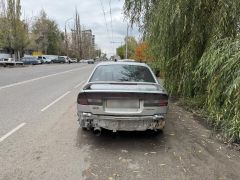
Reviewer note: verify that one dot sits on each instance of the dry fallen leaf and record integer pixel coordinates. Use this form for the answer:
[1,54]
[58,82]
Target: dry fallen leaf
[184,170]
[94,174]
[116,175]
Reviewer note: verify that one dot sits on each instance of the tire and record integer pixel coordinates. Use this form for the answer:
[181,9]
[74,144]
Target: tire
[84,128]
[159,132]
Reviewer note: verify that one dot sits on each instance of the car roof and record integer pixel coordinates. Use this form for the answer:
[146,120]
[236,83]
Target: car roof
[122,62]
[126,60]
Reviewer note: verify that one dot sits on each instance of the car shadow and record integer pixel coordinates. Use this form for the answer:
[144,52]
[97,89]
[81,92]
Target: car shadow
[147,140]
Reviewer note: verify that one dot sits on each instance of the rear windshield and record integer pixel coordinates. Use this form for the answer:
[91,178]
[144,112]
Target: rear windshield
[121,73]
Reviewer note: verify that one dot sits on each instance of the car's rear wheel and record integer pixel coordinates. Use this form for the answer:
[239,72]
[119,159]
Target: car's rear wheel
[84,128]
[158,132]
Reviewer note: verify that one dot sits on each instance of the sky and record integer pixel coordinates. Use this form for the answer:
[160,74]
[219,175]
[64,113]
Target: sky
[91,16]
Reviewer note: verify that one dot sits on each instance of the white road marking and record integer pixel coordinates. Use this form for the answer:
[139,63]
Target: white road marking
[43,77]
[11,132]
[58,99]
[77,86]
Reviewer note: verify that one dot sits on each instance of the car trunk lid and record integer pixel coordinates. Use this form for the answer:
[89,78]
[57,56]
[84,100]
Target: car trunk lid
[124,98]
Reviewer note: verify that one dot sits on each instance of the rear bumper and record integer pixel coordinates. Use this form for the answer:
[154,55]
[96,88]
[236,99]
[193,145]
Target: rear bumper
[122,123]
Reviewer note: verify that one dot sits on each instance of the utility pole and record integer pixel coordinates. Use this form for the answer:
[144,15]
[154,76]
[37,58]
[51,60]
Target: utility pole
[126,56]
[66,36]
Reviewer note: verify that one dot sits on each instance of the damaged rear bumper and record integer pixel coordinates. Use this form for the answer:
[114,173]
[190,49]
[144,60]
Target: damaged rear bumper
[122,123]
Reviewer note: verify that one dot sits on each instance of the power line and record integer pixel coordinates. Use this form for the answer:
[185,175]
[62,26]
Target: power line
[104,14]
[110,6]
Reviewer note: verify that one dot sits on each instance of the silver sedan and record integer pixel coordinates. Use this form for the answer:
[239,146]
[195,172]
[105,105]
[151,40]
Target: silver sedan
[122,96]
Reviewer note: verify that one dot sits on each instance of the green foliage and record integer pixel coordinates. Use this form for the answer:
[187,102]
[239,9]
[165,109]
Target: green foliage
[196,43]
[3,32]
[54,39]
[218,74]
[157,68]
[47,35]
[121,51]
[132,44]
[13,30]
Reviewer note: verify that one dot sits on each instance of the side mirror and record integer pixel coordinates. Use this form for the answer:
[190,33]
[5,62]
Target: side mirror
[157,73]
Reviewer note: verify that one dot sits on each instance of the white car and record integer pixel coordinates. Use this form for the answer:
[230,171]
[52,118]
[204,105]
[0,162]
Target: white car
[122,96]
[90,61]
[83,61]
[9,62]
[74,60]
[44,59]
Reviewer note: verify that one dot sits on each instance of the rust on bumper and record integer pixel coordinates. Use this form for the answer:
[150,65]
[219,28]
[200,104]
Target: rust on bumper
[122,123]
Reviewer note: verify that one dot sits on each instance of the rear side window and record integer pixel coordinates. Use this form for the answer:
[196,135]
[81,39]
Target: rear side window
[122,73]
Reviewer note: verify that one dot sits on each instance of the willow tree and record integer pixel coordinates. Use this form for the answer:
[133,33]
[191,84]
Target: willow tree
[179,32]
[191,39]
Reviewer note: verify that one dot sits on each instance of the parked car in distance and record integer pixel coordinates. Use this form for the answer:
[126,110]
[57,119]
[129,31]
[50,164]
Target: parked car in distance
[44,59]
[74,60]
[51,57]
[83,61]
[122,96]
[90,61]
[9,62]
[31,60]
[60,59]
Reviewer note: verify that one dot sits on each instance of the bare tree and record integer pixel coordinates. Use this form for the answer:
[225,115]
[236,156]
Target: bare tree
[77,36]
[81,40]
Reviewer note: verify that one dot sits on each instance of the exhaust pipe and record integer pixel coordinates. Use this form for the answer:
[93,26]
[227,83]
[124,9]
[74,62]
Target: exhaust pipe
[97,131]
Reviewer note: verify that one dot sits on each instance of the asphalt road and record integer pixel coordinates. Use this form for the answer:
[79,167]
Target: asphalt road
[40,137]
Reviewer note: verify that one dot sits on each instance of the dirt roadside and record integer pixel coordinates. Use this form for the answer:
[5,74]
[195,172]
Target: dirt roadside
[186,150]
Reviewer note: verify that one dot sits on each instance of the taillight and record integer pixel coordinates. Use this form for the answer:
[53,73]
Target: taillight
[163,102]
[158,101]
[82,99]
